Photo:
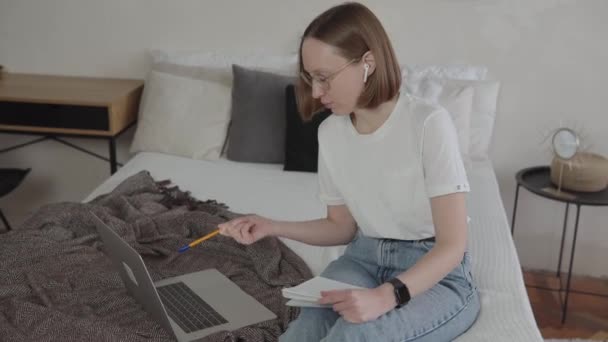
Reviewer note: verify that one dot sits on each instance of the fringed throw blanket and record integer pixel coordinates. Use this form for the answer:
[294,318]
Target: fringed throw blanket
[56,283]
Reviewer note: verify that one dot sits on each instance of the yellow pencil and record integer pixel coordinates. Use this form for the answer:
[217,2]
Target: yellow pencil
[197,241]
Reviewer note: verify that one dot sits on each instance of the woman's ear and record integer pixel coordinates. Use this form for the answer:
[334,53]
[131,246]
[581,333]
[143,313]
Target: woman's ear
[368,59]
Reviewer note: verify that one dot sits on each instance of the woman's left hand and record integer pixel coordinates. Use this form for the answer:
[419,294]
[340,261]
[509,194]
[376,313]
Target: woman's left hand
[359,306]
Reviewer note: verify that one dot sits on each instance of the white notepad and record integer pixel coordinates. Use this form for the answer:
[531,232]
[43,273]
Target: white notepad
[307,293]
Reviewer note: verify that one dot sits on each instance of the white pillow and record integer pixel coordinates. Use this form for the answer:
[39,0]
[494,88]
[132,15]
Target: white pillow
[415,74]
[182,115]
[483,116]
[223,61]
[194,87]
[483,111]
[459,102]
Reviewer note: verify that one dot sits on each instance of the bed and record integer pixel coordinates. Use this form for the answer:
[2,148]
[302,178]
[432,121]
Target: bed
[65,287]
[267,190]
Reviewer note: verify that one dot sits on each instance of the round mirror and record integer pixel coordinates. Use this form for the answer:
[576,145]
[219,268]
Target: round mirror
[565,143]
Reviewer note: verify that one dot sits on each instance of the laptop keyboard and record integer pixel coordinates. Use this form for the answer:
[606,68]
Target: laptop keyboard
[188,309]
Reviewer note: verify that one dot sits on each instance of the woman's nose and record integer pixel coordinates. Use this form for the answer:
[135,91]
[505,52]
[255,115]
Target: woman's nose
[317,91]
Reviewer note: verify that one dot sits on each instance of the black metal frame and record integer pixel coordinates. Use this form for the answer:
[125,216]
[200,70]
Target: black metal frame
[5,221]
[567,289]
[57,137]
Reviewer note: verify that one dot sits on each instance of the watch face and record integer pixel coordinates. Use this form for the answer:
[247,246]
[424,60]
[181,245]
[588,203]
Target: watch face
[404,295]
[565,143]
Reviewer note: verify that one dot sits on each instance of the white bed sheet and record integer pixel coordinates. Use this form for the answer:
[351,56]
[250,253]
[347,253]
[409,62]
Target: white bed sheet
[267,190]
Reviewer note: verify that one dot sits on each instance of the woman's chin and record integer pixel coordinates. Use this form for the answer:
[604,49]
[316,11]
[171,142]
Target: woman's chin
[338,111]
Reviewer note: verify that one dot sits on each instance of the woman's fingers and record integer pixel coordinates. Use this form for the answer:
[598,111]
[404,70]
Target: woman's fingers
[223,227]
[237,232]
[226,227]
[246,231]
[240,229]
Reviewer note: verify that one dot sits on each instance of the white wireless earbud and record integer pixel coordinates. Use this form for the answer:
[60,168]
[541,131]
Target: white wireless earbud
[366,67]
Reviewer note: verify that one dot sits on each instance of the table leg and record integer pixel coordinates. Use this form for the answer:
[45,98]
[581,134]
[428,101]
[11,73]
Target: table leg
[565,308]
[24,144]
[561,248]
[514,209]
[112,146]
[5,221]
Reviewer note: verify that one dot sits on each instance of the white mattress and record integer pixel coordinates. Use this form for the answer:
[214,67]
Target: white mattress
[267,190]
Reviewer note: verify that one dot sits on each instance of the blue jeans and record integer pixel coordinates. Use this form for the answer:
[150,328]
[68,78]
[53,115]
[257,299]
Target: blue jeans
[441,313]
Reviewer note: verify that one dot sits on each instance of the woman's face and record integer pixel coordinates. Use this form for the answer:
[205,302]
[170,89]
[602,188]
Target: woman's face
[336,83]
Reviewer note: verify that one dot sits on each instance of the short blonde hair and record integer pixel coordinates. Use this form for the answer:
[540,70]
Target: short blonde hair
[353,30]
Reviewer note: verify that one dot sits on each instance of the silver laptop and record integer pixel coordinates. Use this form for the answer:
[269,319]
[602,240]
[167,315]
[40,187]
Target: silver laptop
[190,306]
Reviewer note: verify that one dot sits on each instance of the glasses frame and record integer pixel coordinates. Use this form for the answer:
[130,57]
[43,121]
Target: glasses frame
[325,82]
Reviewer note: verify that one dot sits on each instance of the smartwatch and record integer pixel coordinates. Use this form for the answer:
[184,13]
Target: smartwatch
[402,293]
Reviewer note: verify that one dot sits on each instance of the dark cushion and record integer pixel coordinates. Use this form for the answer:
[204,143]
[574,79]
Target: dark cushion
[257,124]
[301,144]
[10,179]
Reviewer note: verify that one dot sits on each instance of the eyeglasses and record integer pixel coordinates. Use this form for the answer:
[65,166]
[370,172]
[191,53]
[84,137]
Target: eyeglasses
[324,81]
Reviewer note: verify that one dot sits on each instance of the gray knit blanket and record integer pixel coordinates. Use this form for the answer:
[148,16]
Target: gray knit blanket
[56,283]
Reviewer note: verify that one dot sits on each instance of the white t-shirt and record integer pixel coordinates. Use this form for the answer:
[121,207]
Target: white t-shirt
[386,178]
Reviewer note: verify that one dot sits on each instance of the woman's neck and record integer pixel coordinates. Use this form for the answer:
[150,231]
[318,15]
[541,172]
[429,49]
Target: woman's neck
[367,121]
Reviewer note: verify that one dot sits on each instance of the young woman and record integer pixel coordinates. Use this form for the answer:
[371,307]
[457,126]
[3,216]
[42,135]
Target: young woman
[391,175]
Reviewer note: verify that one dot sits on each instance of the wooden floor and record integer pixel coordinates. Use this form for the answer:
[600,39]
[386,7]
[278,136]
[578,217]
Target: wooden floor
[587,316]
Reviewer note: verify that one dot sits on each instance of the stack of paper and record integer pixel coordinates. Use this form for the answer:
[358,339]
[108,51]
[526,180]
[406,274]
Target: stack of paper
[309,292]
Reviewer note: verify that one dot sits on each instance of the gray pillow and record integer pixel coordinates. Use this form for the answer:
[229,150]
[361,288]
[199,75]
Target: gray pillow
[257,124]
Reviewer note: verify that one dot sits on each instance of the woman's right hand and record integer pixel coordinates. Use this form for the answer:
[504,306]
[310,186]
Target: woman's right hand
[248,229]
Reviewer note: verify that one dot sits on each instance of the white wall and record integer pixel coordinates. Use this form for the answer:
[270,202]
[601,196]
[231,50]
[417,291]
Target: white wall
[549,55]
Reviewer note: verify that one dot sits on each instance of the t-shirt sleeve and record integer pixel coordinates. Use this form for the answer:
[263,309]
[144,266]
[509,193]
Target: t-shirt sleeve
[328,192]
[444,171]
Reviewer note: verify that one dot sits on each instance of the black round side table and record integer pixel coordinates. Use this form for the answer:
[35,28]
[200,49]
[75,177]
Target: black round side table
[537,180]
